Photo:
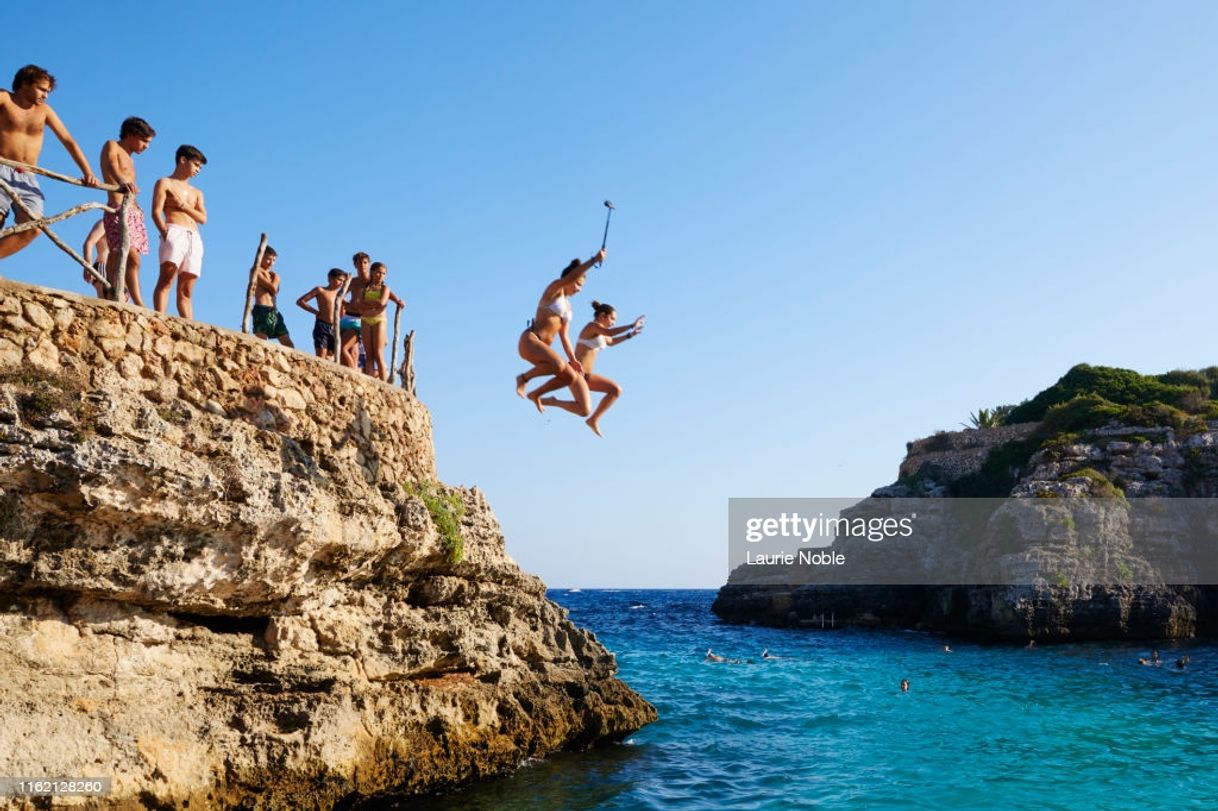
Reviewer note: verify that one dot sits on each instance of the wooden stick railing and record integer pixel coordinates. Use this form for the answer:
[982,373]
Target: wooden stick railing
[43,223]
[35,222]
[124,246]
[393,355]
[71,212]
[336,320]
[38,170]
[249,290]
[406,373]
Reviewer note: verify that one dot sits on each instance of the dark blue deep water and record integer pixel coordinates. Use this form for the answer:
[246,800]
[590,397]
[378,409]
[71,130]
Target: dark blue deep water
[826,726]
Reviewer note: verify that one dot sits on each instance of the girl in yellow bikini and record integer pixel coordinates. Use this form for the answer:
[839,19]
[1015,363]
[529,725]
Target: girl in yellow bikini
[374,301]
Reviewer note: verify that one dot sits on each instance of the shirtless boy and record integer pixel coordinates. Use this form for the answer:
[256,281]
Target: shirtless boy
[178,211]
[323,328]
[24,117]
[118,167]
[352,339]
[268,321]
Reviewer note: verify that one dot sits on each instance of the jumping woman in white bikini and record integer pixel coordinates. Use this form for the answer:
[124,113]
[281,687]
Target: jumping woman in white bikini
[553,319]
[595,336]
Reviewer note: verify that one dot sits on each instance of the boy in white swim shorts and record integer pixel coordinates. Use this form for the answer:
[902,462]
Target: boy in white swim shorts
[178,211]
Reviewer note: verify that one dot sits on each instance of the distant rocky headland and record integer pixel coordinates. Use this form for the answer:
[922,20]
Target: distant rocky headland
[229,578]
[1108,439]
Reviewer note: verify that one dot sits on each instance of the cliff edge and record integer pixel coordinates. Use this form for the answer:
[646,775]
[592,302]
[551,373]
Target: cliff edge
[228,578]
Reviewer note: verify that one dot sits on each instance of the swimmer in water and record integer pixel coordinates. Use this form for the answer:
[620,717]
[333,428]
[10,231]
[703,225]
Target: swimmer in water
[904,685]
[711,656]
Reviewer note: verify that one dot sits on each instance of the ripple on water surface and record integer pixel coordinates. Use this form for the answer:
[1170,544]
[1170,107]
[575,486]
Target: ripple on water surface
[826,725]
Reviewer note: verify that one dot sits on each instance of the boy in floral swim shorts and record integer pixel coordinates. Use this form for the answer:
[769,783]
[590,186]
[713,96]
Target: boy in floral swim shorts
[118,166]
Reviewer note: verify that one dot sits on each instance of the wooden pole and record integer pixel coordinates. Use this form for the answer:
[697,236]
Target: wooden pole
[393,356]
[124,248]
[336,320]
[407,373]
[249,290]
[20,206]
[71,212]
[38,170]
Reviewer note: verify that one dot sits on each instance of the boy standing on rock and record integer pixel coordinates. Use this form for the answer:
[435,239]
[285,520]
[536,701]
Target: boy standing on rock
[24,117]
[178,211]
[351,328]
[268,321]
[118,166]
[323,328]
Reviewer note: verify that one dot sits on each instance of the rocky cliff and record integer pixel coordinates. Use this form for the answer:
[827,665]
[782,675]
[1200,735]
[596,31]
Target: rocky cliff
[229,579]
[1096,521]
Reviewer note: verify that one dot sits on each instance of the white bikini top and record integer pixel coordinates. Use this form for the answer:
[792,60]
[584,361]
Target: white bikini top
[595,343]
[561,307]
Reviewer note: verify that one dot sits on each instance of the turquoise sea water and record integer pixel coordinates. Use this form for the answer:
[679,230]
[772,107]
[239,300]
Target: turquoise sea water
[826,726]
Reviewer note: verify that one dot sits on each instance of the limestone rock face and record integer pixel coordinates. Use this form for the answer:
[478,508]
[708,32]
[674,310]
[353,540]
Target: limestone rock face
[222,601]
[1073,591]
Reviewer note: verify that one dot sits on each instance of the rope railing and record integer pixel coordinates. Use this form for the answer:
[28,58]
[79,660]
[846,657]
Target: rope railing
[43,223]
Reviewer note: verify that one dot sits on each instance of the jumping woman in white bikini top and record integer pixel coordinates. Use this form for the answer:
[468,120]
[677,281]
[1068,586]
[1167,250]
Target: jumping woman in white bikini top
[594,337]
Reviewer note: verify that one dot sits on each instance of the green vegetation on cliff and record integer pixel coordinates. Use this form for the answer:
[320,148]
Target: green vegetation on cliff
[446,512]
[1107,388]
[1089,397]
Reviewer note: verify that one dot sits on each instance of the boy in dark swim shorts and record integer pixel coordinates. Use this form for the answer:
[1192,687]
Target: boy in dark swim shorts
[268,321]
[323,327]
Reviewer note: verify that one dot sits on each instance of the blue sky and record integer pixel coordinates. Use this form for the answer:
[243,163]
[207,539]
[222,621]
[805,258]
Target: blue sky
[849,224]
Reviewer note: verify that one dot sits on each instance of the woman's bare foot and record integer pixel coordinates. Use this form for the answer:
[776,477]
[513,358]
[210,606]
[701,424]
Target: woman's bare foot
[596,428]
[521,382]
[536,401]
